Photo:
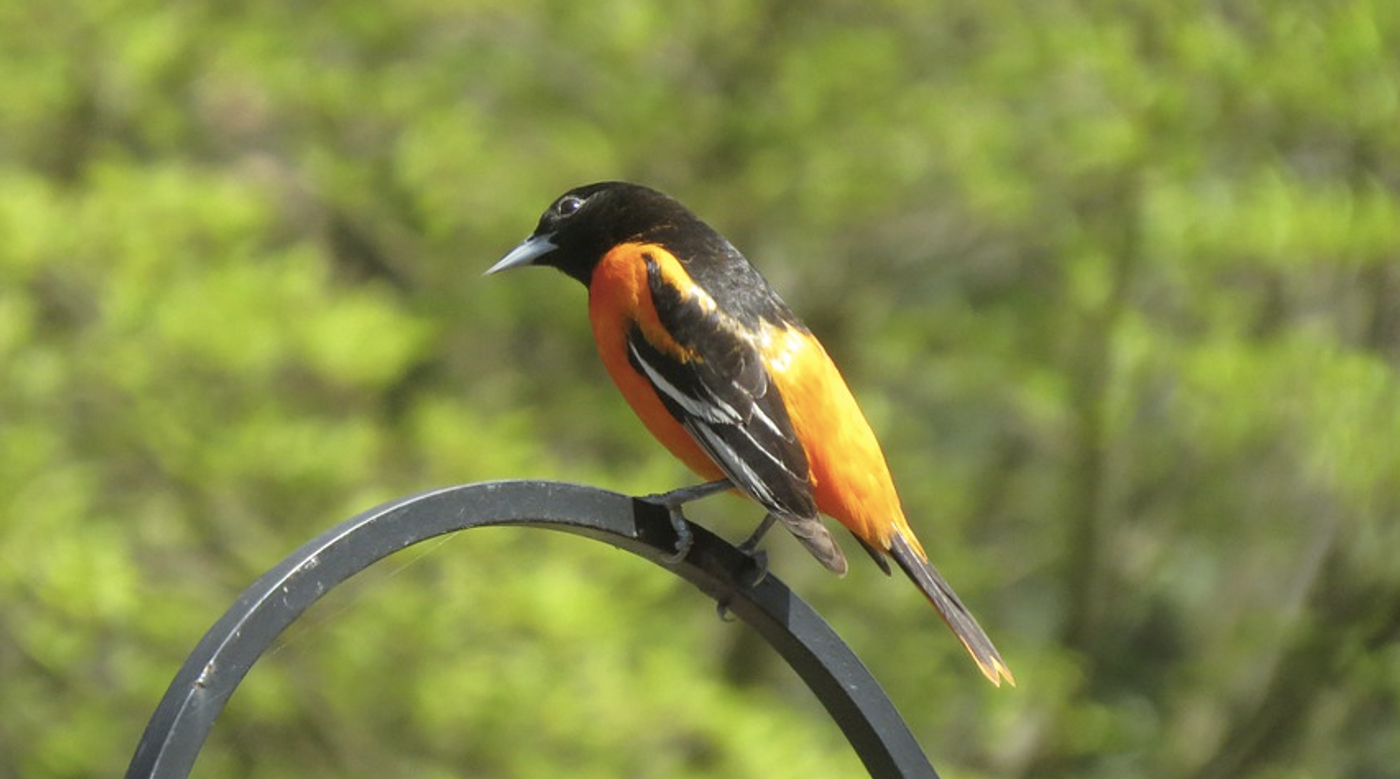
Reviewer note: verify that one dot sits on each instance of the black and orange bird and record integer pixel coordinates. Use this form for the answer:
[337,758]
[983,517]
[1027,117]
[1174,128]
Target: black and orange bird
[723,373]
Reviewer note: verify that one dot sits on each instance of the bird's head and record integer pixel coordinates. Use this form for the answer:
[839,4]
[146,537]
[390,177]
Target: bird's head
[584,223]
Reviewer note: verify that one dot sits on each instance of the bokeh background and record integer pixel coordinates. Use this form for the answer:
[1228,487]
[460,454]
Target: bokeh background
[1118,283]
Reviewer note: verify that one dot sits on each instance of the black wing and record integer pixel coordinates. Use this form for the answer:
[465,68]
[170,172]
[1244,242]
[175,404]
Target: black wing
[721,393]
[741,427]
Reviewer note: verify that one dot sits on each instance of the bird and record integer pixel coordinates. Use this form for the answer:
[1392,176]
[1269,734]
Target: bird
[723,373]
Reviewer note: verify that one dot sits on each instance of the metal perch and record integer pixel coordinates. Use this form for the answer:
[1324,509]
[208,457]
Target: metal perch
[212,672]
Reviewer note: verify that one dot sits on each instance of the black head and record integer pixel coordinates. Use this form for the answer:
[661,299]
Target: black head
[584,223]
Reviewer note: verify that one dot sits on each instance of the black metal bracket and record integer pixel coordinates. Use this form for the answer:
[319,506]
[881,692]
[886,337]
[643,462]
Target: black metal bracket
[212,672]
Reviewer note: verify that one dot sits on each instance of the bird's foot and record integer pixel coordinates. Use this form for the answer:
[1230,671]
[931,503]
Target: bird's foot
[750,548]
[673,502]
[757,556]
[684,539]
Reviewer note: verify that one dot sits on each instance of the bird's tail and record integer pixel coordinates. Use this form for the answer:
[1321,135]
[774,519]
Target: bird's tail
[814,535]
[951,608]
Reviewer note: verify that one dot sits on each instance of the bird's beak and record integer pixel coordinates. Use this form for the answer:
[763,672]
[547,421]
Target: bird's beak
[529,250]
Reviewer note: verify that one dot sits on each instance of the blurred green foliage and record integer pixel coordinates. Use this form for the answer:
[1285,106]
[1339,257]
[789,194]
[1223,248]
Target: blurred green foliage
[1118,283]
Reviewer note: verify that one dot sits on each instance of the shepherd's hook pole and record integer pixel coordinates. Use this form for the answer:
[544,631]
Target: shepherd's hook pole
[212,672]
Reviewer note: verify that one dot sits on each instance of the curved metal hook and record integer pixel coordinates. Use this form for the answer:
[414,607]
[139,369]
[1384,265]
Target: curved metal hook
[212,672]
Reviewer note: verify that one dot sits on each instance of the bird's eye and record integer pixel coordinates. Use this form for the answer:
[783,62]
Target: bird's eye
[568,205]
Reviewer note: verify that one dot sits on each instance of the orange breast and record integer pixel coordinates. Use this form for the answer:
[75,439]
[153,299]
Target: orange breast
[618,300]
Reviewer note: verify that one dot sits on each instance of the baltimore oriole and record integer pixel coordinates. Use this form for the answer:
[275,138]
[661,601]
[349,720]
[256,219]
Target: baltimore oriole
[725,375]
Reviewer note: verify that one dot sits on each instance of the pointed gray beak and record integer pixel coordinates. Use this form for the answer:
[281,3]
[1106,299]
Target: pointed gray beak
[529,250]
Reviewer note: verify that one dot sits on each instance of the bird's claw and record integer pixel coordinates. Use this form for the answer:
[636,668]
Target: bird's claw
[759,557]
[684,539]
[760,564]
[673,501]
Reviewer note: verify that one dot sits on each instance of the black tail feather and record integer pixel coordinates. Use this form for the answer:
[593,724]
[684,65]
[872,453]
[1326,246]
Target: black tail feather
[951,608]
[875,554]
